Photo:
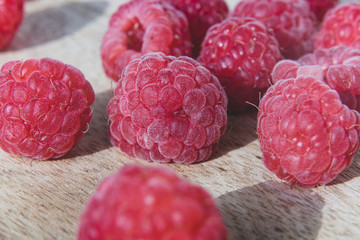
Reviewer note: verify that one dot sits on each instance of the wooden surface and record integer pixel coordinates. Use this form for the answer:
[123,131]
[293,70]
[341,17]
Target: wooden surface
[43,199]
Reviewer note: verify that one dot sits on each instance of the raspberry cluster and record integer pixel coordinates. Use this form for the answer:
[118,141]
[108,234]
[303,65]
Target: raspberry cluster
[45,107]
[11,16]
[139,27]
[241,52]
[167,109]
[340,70]
[307,135]
[150,203]
[201,15]
[340,26]
[292,22]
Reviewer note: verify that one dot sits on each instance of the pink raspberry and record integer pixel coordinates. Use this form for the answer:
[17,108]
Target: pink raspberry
[45,108]
[306,134]
[340,26]
[291,20]
[201,15]
[11,15]
[320,7]
[241,53]
[167,109]
[150,203]
[339,68]
[142,26]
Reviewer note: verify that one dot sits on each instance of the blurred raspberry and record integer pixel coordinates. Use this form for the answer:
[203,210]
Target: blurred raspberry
[45,108]
[142,26]
[320,7]
[340,26]
[167,109]
[201,15]
[291,20]
[241,53]
[150,203]
[11,15]
[306,134]
[339,68]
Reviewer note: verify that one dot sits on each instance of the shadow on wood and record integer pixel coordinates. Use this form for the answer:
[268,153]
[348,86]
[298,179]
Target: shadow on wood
[54,23]
[241,130]
[272,210]
[97,138]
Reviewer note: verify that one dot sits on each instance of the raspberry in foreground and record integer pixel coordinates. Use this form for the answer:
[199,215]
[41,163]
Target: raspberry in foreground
[45,108]
[11,15]
[241,53]
[201,15]
[320,7]
[292,21]
[167,109]
[340,26]
[142,26]
[150,203]
[339,68]
[306,134]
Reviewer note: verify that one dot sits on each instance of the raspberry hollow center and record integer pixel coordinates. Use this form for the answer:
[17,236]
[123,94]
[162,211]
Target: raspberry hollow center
[135,36]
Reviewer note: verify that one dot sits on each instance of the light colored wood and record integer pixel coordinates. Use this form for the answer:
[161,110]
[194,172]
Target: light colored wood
[43,199]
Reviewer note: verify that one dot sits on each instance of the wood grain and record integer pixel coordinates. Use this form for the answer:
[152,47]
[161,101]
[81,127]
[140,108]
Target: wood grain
[43,199]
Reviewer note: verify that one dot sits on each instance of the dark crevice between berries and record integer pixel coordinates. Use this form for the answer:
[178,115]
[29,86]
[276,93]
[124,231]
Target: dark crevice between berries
[135,36]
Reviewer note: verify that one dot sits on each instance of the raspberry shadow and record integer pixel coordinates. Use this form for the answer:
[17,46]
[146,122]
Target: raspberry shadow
[272,210]
[240,131]
[55,22]
[97,137]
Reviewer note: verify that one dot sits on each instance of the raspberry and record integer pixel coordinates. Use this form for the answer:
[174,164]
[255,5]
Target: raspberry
[241,53]
[150,203]
[291,20]
[167,109]
[45,107]
[306,134]
[320,7]
[201,15]
[11,15]
[339,68]
[340,26]
[142,26]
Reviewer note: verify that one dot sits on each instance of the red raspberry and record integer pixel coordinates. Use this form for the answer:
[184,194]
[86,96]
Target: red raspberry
[11,15]
[291,20]
[201,15]
[320,7]
[340,26]
[142,26]
[306,134]
[150,203]
[241,53]
[45,108]
[167,109]
[339,68]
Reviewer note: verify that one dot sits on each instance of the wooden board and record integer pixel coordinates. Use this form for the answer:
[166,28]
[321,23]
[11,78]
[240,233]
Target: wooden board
[43,199]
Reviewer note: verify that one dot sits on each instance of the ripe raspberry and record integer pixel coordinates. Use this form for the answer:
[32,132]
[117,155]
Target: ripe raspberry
[291,20]
[339,68]
[150,203]
[306,134]
[320,7]
[142,26]
[45,108]
[167,109]
[11,15]
[340,26]
[201,15]
[241,53]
